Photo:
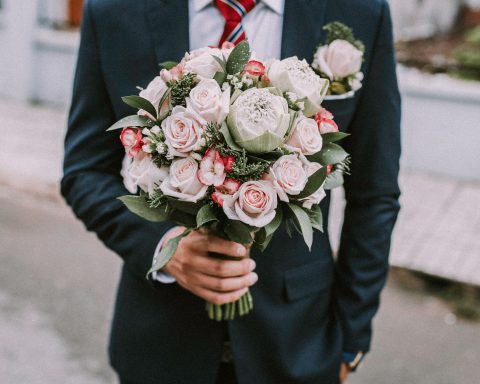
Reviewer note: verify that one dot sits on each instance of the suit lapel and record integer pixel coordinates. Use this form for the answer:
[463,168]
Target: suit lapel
[302,27]
[168,25]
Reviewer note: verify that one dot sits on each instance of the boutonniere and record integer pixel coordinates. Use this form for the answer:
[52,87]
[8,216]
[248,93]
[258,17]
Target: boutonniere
[340,59]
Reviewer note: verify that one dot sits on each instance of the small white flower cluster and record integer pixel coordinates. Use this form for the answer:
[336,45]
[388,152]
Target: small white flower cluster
[239,81]
[154,141]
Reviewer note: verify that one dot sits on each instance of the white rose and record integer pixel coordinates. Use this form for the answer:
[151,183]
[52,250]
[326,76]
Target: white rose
[338,60]
[317,196]
[154,93]
[306,137]
[258,120]
[183,182]
[183,131]
[294,75]
[208,100]
[142,172]
[254,203]
[201,62]
[288,176]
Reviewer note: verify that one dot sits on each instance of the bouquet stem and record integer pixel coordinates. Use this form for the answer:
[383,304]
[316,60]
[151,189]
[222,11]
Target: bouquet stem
[228,311]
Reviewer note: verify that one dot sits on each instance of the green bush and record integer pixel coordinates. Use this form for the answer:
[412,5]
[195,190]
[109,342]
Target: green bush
[467,56]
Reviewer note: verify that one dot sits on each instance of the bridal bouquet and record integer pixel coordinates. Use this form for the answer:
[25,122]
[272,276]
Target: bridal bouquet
[234,146]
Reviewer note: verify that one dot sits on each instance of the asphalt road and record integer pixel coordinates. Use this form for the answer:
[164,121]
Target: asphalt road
[57,285]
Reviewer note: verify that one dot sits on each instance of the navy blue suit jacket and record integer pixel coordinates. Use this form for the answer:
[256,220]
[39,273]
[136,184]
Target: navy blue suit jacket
[307,308]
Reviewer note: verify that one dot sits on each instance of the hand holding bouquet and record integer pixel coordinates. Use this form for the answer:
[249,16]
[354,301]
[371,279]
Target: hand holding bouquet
[233,146]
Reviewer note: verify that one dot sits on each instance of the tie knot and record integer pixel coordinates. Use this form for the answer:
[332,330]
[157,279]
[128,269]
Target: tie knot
[234,10]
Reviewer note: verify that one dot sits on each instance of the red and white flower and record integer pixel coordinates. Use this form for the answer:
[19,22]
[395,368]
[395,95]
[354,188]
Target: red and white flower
[255,68]
[254,203]
[131,139]
[212,168]
[228,188]
[325,122]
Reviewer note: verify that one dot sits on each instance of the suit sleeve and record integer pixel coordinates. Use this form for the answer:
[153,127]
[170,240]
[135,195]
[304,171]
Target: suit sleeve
[92,163]
[371,193]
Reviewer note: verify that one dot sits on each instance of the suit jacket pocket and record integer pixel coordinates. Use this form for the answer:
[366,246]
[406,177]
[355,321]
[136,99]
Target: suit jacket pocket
[308,279]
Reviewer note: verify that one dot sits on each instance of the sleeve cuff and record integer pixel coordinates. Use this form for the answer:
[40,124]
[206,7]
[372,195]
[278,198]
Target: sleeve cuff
[160,276]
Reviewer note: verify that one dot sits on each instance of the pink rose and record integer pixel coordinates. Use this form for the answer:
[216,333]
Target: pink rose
[209,101]
[212,168]
[306,137]
[325,122]
[142,172]
[254,203]
[228,188]
[183,131]
[172,74]
[182,181]
[154,93]
[317,196]
[288,176]
[201,62]
[131,139]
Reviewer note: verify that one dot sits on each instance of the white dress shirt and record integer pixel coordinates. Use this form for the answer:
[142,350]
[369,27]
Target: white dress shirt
[263,26]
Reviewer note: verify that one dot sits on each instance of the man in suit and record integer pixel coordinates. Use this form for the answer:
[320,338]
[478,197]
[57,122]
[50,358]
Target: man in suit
[312,317]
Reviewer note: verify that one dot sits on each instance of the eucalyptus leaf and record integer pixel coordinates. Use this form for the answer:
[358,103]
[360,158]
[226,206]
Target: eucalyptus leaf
[238,232]
[331,137]
[334,180]
[140,206]
[316,217]
[220,77]
[140,103]
[331,153]
[238,58]
[167,252]
[303,220]
[185,206]
[168,64]
[132,121]
[221,62]
[314,182]
[205,215]
[271,227]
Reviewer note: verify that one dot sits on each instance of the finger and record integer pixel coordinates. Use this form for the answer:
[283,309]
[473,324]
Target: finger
[221,268]
[217,297]
[225,247]
[227,284]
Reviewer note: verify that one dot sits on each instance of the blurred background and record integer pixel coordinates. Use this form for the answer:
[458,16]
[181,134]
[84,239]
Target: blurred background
[57,282]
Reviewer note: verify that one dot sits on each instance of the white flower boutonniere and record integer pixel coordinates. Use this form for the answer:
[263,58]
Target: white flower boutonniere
[340,60]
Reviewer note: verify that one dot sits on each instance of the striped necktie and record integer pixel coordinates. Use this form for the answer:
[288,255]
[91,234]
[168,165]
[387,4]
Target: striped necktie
[233,11]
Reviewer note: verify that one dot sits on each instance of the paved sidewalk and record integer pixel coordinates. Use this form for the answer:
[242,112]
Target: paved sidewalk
[438,227]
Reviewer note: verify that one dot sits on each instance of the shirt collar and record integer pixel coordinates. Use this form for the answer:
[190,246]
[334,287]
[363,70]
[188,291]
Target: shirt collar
[274,5]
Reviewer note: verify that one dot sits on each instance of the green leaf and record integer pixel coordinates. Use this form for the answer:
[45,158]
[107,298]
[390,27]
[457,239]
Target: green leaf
[168,64]
[238,232]
[167,252]
[206,214]
[316,217]
[238,58]
[331,153]
[221,62]
[220,77]
[334,180]
[263,242]
[140,103]
[334,136]
[314,182]
[132,121]
[185,206]
[271,227]
[140,206]
[184,219]
[228,137]
[303,220]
